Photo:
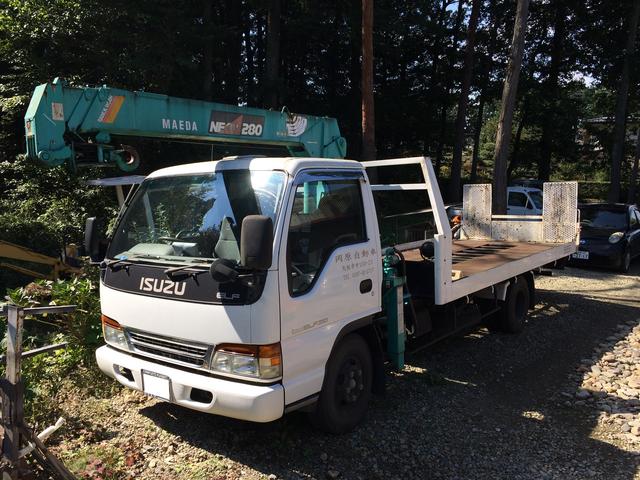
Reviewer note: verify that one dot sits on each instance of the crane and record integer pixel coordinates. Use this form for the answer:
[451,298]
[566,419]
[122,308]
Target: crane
[85,125]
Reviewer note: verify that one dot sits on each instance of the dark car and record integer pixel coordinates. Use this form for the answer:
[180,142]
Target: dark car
[609,235]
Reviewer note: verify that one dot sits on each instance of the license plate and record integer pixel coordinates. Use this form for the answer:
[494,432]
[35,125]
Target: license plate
[156,385]
[581,255]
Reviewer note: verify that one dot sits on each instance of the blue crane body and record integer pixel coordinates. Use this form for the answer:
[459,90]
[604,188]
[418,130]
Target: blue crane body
[78,125]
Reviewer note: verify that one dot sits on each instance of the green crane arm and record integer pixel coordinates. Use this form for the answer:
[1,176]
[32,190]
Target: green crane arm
[76,125]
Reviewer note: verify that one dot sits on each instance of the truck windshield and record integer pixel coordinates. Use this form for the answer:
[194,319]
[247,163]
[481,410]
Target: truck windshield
[197,216]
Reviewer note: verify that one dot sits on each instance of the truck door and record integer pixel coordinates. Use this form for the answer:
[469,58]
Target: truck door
[329,271]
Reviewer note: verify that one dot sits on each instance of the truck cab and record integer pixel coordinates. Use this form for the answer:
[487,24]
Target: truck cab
[187,317]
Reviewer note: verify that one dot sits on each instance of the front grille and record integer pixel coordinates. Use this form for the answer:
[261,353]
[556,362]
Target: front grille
[178,351]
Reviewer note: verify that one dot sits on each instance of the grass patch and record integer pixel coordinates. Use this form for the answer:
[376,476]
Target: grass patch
[96,462]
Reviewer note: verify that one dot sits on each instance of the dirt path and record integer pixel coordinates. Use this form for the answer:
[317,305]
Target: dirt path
[478,406]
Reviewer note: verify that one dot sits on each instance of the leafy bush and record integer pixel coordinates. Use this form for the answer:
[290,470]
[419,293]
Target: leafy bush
[45,208]
[81,327]
[45,375]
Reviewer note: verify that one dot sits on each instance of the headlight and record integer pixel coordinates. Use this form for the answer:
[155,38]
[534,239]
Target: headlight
[113,333]
[257,361]
[616,237]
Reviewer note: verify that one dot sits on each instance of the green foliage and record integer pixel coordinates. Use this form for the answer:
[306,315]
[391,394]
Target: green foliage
[44,209]
[45,374]
[96,463]
[82,327]
[179,49]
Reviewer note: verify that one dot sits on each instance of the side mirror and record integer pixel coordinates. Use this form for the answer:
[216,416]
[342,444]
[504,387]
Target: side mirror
[93,247]
[256,242]
[427,250]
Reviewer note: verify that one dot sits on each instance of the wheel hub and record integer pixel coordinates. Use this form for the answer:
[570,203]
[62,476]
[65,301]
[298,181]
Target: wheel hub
[350,381]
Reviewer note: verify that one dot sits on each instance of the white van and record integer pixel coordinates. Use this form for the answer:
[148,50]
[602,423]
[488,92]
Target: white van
[524,201]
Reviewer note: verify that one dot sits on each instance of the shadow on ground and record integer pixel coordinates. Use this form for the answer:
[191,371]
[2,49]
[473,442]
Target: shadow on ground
[476,406]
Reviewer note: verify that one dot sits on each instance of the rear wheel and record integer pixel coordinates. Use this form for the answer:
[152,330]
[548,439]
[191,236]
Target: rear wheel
[346,390]
[514,311]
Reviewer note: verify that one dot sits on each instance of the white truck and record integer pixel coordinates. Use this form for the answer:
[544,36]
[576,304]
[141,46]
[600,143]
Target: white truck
[250,287]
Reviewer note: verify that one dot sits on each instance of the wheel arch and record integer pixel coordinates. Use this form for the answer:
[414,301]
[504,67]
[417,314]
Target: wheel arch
[531,283]
[366,328]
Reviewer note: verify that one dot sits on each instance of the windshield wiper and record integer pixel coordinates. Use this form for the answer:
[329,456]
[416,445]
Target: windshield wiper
[193,273]
[117,264]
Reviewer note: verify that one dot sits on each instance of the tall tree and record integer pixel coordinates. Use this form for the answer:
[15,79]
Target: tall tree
[484,87]
[446,84]
[368,113]
[550,90]
[505,121]
[619,129]
[272,63]
[633,180]
[207,51]
[463,101]
[233,50]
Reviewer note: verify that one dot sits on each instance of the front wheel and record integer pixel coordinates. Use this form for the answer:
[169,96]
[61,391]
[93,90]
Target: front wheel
[346,389]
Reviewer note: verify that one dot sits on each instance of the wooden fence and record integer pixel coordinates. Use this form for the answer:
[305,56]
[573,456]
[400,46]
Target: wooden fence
[18,440]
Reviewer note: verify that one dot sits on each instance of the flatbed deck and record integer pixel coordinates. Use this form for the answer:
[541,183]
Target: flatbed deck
[476,256]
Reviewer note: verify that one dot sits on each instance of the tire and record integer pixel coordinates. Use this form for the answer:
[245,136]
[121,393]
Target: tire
[625,261]
[343,405]
[514,311]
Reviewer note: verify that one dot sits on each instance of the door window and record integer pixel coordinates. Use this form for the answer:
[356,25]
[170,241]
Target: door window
[517,199]
[633,219]
[326,214]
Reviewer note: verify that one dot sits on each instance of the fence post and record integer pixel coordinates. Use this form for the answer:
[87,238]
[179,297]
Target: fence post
[12,398]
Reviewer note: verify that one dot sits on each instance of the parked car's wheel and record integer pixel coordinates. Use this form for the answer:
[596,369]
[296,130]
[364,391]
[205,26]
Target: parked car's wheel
[514,310]
[625,261]
[346,389]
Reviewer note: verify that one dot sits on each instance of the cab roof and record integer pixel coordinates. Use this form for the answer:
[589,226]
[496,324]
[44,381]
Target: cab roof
[291,165]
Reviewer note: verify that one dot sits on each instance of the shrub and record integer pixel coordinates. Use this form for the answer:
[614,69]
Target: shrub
[44,375]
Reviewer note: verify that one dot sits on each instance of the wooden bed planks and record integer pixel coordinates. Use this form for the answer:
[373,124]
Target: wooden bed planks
[475,256]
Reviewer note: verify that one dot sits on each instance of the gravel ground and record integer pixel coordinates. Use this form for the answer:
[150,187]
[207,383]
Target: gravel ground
[559,401]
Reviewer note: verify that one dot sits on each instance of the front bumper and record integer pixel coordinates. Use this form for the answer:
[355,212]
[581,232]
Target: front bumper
[256,403]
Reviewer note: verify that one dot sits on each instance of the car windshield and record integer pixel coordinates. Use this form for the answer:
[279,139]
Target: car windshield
[602,217]
[195,216]
[536,198]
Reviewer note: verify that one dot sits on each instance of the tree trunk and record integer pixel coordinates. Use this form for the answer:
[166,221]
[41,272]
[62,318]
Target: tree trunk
[617,152]
[434,80]
[446,85]
[551,92]
[272,63]
[476,137]
[249,58]
[493,33]
[354,106]
[633,181]
[260,55]
[441,134]
[516,143]
[461,117]
[207,53]
[234,52]
[368,114]
[503,135]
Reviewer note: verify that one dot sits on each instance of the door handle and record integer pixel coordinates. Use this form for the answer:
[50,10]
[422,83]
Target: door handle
[366,285]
